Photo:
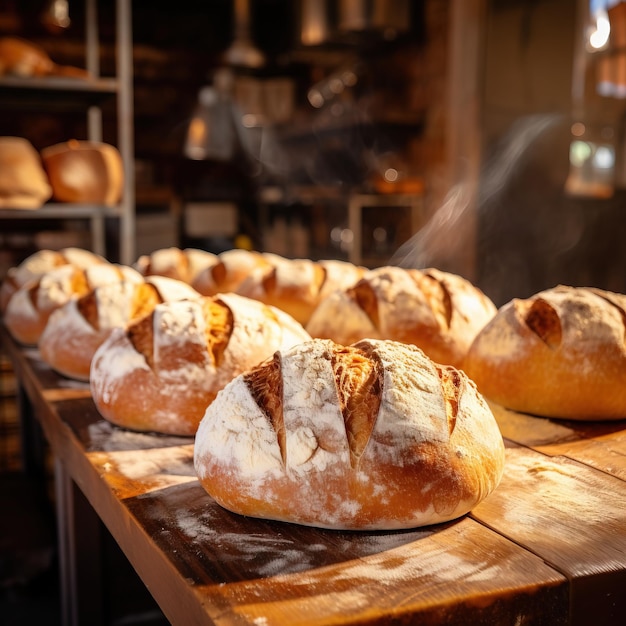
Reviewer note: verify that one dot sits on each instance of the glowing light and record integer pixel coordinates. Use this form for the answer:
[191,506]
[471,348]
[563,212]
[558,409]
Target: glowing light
[196,139]
[599,37]
[579,152]
[316,99]
[578,129]
[391,175]
[604,158]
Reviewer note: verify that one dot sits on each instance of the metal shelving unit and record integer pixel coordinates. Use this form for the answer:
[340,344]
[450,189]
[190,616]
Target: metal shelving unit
[87,95]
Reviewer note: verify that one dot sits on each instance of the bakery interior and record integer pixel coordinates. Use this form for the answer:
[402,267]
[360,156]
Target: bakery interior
[485,138]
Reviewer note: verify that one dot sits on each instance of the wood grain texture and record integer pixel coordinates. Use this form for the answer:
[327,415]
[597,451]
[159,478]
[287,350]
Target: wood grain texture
[601,445]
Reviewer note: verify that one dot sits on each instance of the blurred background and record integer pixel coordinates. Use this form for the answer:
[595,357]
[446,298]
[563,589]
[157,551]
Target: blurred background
[484,137]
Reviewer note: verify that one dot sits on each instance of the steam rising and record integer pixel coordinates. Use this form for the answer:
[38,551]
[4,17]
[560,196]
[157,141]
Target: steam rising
[444,233]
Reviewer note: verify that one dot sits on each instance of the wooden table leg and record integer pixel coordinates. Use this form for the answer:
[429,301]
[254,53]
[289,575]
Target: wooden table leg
[80,560]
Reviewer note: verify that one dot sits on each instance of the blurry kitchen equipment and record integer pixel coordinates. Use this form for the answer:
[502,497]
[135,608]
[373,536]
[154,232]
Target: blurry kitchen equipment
[388,16]
[322,21]
[211,133]
[242,52]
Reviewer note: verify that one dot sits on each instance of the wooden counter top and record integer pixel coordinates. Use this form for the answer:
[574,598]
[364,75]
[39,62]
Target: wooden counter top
[547,547]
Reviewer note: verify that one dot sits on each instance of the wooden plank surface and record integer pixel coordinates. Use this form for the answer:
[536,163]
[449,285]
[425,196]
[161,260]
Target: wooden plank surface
[601,445]
[549,542]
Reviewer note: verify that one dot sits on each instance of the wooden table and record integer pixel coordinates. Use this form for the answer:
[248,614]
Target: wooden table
[547,547]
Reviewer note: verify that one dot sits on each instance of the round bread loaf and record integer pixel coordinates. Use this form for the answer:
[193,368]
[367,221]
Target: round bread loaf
[23,180]
[437,311]
[161,372]
[230,270]
[370,436]
[30,307]
[182,264]
[84,171]
[77,329]
[41,262]
[559,353]
[297,286]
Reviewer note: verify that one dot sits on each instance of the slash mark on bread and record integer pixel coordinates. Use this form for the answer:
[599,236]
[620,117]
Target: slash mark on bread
[363,294]
[359,379]
[438,298]
[451,391]
[544,321]
[219,328]
[265,383]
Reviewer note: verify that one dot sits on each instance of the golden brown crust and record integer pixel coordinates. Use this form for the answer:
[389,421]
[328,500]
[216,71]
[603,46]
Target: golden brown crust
[31,306]
[41,262]
[162,371]
[369,436]
[297,286]
[439,312]
[75,331]
[177,263]
[228,272]
[560,354]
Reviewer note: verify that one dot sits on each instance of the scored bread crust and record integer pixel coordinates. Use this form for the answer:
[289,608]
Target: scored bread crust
[370,436]
[40,262]
[31,306]
[229,271]
[160,373]
[560,353]
[437,311]
[182,264]
[297,286]
[75,331]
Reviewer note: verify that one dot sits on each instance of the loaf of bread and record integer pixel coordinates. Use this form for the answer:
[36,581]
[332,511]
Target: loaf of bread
[439,312]
[77,329]
[230,270]
[182,264]
[297,286]
[161,372]
[84,171]
[30,307]
[23,180]
[39,263]
[21,57]
[560,353]
[370,436]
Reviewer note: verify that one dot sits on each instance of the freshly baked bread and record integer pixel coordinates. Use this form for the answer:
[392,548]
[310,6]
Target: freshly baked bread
[370,436]
[77,329]
[41,262]
[84,171]
[182,264]
[31,305]
[559,353]
[23,180]
[439,312]
[161,372]
[230,270]
[297,286]
[21,57]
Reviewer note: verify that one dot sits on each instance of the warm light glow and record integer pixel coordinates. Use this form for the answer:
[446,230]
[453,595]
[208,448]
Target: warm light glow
[196,139]
[599,35]
[391,175]
[578,129]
